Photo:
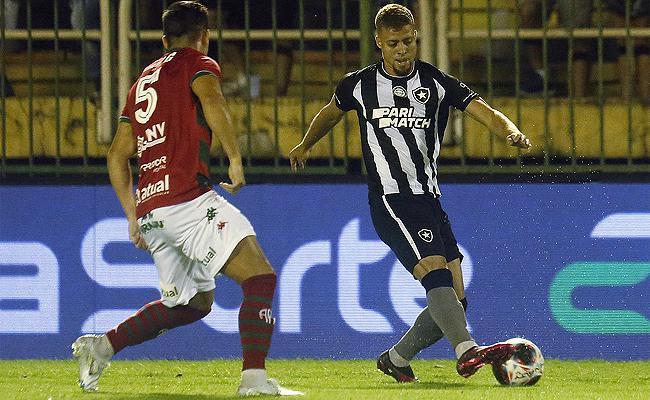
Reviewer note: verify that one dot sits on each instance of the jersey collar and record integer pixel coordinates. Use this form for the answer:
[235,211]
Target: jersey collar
[383,71]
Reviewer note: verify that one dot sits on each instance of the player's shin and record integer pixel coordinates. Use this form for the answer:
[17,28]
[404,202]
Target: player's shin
[445,309]
[421,335]
[256,320]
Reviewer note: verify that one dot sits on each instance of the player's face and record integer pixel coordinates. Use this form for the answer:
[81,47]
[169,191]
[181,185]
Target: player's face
[398,48]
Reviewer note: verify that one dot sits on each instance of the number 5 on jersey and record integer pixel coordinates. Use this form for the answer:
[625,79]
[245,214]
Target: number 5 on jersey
[148,94]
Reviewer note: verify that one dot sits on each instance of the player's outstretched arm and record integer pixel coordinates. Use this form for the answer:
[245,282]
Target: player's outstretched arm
[325,120]
[208,90]
[497,123]
[119,171]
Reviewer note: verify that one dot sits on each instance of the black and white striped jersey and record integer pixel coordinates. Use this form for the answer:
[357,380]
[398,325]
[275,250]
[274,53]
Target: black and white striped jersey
[402,120]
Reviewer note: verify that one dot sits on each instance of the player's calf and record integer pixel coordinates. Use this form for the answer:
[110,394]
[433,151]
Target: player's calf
[256,319]
[150,321]
[256,324]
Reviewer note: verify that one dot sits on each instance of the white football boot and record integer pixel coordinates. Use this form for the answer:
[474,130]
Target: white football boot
[254,383]
[91,353]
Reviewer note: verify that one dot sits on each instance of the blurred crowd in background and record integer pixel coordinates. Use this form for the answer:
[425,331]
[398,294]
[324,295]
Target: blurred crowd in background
[631,54]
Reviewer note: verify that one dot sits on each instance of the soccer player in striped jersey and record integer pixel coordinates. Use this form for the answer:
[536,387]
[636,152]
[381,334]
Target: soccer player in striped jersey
[191,232]
[402,104]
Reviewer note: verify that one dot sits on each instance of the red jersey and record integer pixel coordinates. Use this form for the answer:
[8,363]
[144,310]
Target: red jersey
[172,135]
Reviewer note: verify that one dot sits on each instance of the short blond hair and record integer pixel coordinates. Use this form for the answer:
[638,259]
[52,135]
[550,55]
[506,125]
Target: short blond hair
[393,16]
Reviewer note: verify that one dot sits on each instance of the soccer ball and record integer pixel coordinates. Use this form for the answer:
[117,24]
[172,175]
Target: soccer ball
[525,367]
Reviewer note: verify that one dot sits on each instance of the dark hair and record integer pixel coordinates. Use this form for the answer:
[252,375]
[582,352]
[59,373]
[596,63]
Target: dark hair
[393,16]
[183,18]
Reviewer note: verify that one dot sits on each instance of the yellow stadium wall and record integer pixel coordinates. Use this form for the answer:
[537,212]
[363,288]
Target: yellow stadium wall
[477,145]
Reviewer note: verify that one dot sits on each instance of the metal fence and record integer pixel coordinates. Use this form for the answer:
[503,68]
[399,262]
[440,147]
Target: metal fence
[55,123]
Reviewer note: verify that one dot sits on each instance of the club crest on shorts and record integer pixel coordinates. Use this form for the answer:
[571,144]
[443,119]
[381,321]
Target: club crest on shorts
[399,91]
[421,94]
[426,235]
[212,212]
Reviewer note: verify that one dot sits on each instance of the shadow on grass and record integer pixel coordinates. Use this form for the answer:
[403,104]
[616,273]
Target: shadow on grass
[170,396]
[425,386]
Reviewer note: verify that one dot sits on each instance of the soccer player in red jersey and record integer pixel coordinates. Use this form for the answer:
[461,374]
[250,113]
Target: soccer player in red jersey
[191,232]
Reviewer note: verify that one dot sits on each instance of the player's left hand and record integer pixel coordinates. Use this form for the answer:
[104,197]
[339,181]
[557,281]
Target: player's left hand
[519,140]
[236,175]
[136,236]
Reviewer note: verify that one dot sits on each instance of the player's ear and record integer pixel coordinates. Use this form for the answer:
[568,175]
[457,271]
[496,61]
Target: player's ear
[165,41]
[415,33]
[205,37]
[377,41]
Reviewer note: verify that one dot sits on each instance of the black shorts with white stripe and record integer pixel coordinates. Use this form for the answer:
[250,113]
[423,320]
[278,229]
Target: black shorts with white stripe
[413,226]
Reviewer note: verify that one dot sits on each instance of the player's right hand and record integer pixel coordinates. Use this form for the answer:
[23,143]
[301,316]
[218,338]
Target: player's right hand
[136,236]
[519,140]
[236,175]
[298,156]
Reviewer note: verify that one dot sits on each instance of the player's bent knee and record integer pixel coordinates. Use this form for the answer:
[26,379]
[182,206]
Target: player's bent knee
[246,261]
[428,264]
[454,263]
[256,270]
[202,301]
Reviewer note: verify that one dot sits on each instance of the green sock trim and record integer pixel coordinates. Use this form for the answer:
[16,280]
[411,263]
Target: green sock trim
[257,322]
[255,334]
[256,310]
[260,347]
[259,299]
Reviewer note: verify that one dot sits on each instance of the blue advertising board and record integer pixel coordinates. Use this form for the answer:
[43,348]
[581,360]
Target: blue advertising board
[564,265]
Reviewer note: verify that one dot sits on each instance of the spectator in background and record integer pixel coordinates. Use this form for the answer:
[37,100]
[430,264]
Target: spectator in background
[572,14]
[86,13]
[260,17]
[639,17]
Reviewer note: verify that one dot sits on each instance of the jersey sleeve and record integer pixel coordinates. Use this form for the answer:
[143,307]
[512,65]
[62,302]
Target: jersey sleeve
[459,95]
[343,94]
[204,65]
[127,111]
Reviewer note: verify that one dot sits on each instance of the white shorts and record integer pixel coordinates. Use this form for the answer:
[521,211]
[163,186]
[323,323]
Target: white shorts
[191,242]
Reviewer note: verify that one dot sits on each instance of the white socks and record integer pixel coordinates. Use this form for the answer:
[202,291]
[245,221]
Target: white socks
[253,377]
[462,347]
[104,347]
[396,359]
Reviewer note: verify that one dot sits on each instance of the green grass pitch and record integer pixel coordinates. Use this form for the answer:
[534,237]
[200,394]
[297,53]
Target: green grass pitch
[320,379]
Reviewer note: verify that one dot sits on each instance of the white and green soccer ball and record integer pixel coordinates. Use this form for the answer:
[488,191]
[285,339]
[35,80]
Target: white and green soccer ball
[525,367]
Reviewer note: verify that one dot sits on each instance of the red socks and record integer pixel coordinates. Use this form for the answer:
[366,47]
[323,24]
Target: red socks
[149,322]
[256,319]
